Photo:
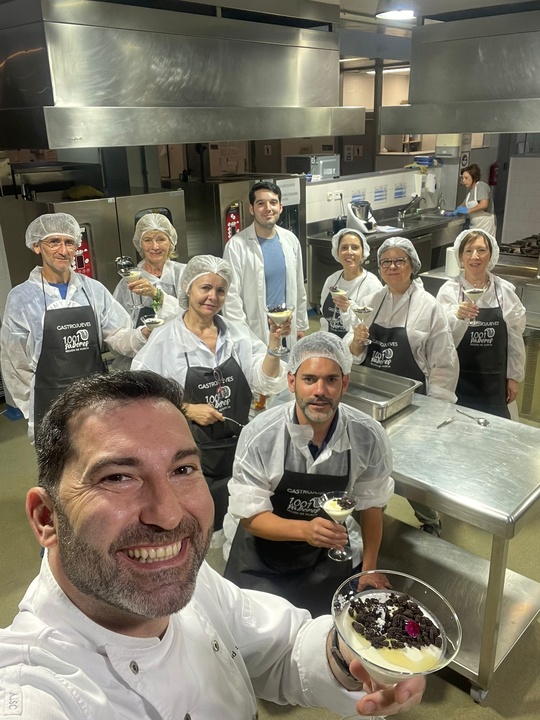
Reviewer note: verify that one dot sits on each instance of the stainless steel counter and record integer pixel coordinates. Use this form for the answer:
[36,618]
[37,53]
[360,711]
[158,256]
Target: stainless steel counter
[489,478]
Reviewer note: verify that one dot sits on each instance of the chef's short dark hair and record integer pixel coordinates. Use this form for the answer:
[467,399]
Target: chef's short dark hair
[474,172]
[264,185]
[54,441]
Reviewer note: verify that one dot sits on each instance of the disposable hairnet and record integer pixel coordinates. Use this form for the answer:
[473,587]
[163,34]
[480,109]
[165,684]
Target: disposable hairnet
[320,345]
[152,222]
[52,224]
[201,265]
[346,231]
[406,245]
[493,260]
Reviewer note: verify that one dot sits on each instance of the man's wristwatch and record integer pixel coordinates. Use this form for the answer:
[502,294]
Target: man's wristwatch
[344,676]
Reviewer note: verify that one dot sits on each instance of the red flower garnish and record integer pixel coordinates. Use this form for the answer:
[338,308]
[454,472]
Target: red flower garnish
[412,628]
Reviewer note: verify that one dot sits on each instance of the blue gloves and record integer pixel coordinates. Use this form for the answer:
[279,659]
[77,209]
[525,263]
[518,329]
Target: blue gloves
[461,210]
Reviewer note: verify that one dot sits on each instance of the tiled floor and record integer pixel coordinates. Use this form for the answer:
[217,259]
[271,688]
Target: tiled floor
[515,691]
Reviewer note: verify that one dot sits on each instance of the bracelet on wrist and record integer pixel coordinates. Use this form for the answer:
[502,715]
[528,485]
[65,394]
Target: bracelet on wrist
[158,300]
[337,661]
[273,353]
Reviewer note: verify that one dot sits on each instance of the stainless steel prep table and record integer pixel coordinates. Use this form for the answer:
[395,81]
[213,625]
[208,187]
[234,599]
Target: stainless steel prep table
[489,478]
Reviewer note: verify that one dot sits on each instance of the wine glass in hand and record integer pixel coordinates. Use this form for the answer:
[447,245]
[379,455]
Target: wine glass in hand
[363,313]
[338,506]
[279,314]
[473,295]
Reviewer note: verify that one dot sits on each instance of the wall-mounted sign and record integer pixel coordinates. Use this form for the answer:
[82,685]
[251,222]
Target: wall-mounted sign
[464,160]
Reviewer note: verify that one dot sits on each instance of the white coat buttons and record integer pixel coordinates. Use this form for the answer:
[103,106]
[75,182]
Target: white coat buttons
[215,646]
[134,667]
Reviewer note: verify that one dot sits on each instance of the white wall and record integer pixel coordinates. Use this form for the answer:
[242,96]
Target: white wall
[522,209]
[318,207]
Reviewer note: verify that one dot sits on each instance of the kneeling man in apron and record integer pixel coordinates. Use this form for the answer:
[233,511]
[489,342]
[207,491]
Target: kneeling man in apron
[287,458]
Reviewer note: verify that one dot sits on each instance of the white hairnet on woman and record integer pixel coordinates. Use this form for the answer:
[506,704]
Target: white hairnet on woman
[202,265]
[154,222]
[50,225]
[493,260]
[320,345]
[406,245]
[347,231]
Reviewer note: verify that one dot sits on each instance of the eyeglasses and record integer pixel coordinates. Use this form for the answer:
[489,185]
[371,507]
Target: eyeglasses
[479,251]
[398,262]
[55,244]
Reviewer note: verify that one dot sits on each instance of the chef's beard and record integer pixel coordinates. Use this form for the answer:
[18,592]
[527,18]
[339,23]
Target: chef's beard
[317,417]
[100,575]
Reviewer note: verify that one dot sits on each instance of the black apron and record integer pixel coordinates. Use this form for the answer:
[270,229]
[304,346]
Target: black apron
[390,351]
[332,314]
[226,388]
[483,355]
[297,571]
[70,350]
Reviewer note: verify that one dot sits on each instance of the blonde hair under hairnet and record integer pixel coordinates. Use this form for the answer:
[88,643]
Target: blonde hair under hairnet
[51,225]
[406,245]
[320,344]
[493,260]
[154,222]
[202,265]
[348,231]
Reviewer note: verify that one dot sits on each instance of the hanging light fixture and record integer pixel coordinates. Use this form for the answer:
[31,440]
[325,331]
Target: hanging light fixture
[396,10]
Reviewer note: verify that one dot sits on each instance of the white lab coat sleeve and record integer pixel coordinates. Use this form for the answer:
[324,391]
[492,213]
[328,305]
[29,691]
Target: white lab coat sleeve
[302,322]
[373,300]
[448,297]
[515,317]
[369,287]
[17,364]
[283,649]
[115,323]
[234,307]
[441,358]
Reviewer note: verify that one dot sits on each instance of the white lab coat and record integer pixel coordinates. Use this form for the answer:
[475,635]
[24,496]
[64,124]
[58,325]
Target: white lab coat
[223,649]
[246,297]
[427,331]
[169,283]
[166,350]
[260,462]
[22,329]
[502,292]
[356,290]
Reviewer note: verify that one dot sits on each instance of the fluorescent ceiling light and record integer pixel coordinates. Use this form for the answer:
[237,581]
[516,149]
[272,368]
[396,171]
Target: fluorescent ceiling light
[397,71]
[396,10]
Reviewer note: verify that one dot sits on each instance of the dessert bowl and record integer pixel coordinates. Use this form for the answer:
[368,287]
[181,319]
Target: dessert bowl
[397,633]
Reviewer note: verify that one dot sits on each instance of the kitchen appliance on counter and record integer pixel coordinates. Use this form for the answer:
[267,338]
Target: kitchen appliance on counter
[528,247]
[107,225]
[324,167]
[360,217]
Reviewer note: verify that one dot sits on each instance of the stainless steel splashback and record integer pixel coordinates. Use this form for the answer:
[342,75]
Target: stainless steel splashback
[493,83]
[96,74]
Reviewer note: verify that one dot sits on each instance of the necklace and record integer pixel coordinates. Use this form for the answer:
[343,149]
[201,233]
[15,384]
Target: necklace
[479,283]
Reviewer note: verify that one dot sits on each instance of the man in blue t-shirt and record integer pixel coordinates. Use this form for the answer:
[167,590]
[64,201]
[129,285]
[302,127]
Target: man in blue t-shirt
[267,264]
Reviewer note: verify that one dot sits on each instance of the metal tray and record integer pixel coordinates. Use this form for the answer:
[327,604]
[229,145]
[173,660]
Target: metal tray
[377,393]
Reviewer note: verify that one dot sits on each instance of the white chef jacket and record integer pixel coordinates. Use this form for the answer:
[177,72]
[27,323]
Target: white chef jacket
[427,331]
[168,283]
[223,649]
[500,292]
[356,290]
[166,350]
[246,297]
[22,329]
[260,462]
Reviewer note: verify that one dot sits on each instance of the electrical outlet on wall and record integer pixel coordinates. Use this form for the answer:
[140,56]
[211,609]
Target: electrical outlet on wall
[337,195]
[329,196]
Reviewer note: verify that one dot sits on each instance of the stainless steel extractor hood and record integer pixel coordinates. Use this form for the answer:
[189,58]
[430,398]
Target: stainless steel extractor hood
[108,74]
[476,75]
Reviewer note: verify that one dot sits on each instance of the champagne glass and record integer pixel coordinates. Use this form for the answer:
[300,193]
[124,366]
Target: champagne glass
[335,292]
[130,273]
[152,322]
[473,295]
[397,633]
[363,313]
[338,506]
[279,314]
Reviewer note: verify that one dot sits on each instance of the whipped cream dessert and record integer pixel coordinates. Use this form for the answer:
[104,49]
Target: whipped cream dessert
[363,312]
[339,508]
[133,275]
[334,290]
[279,316]
[153,322]
[392,631]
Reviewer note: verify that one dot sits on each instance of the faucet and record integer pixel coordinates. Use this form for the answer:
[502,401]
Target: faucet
[414,203]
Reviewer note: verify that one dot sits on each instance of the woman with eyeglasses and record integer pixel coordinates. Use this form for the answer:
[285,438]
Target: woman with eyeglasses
[409,335]
[350,249]
[492,354]
[219,363]
[156,291]
[57,322]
